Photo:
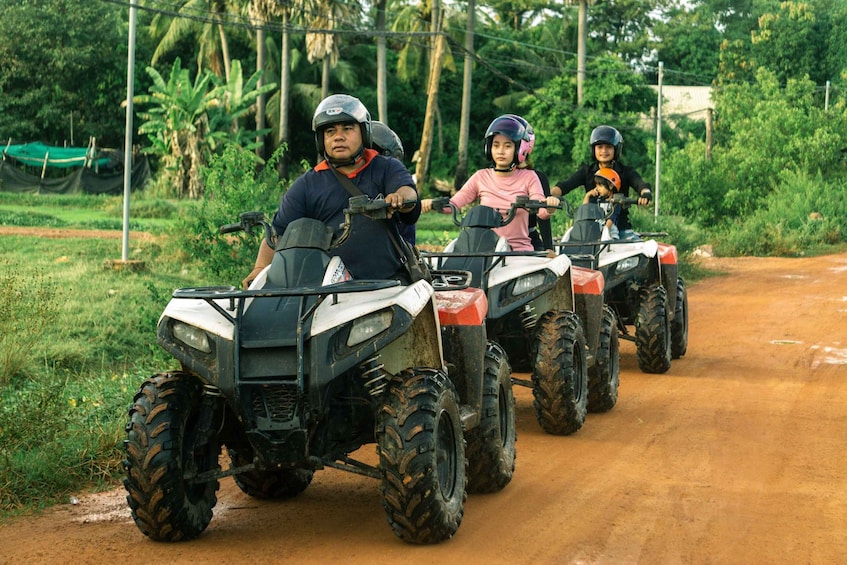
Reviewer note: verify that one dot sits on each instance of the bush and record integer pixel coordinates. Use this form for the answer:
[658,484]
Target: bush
[800,214]
[232,186]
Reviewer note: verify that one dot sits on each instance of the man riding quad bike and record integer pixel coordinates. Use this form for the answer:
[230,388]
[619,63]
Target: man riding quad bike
[307,365]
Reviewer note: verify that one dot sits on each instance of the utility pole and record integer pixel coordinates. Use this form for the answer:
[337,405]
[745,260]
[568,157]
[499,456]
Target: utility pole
[580,50]
[130,92]
[658,142]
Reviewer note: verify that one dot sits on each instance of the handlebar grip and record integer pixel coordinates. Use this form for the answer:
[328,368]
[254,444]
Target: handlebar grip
[230,228]
[440,203]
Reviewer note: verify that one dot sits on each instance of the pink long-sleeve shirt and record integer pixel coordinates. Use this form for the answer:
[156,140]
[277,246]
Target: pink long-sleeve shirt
[499,191]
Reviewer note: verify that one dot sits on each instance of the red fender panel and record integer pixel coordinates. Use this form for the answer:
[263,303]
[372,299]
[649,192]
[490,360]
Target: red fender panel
[466,307]
[587,281]
[667,254]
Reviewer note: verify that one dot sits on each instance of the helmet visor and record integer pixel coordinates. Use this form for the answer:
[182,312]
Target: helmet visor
[509,127]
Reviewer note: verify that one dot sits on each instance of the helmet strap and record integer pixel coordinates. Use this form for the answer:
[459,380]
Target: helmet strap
[357,158]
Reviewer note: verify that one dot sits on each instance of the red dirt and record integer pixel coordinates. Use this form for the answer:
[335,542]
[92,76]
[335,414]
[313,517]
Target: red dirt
[733,456]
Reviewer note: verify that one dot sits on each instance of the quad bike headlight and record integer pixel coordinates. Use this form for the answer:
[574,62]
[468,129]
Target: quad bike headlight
[627,265]
[527,283]
[367,327]
[192,337]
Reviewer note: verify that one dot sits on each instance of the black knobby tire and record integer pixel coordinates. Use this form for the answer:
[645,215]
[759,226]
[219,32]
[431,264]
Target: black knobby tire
[491,445]
[679,325]
[653,330]
[422,457]
[277,484]
[161,459]
[604,376]
[559,375]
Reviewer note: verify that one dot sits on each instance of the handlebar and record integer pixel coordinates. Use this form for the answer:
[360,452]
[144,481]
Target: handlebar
[520,203]
[248,221]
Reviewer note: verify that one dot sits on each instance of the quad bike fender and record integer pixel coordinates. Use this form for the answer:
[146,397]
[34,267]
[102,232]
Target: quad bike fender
[420,346]
[463,336]
[518,266]
[348,307]
[667,254]
[588,296]
[200,314]
[617,252]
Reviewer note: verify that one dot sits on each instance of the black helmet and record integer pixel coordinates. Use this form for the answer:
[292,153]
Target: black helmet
[384,140]
[512,128]
[338,109]
[609,136]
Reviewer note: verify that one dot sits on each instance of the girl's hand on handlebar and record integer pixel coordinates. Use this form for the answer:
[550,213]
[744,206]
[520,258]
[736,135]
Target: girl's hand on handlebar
[553,204]
[426,205]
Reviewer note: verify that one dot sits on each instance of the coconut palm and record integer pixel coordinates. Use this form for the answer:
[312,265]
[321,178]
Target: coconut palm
[200,19]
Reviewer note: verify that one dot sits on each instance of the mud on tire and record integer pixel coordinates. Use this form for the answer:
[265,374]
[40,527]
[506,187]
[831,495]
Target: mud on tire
[491,445]
[559,376]
[422,457]
[653,330]
[278,484]
[604,376]
[163,453]
[679,325]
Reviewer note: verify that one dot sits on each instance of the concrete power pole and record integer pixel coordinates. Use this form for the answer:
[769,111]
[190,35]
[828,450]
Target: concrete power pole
[580,49]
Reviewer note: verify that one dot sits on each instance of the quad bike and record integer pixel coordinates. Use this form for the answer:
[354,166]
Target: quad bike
[643,285]
[303,368]
[546,315]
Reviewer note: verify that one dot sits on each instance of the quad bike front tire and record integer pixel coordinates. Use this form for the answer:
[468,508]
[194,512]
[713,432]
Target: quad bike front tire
[166,447]
[559,375]
[679,325]
[653,330]
[604,376]
[421,451]
[491,444]
[277,484]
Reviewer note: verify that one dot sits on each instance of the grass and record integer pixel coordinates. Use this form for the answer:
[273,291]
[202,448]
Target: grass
[63,406]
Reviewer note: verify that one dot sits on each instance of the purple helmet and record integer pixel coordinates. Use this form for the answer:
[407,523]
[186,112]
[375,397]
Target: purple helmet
[512,127]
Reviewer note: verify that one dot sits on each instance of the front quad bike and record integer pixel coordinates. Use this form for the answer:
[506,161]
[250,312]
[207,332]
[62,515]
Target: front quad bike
[539,311]
[306,366]
[638,274]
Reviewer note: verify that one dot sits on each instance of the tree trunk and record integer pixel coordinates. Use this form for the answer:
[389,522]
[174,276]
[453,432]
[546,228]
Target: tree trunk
[260,102]
[325,77]
[381,65]
[422,169]
[467,82]
[224,50]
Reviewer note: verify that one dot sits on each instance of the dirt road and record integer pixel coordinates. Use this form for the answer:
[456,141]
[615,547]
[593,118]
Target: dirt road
[736,455]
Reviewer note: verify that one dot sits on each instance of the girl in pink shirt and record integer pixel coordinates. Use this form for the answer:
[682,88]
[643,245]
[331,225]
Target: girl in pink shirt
[507,145]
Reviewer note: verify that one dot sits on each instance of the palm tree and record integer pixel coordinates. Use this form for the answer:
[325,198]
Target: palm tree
[192,20]
[261,11]
[328,15]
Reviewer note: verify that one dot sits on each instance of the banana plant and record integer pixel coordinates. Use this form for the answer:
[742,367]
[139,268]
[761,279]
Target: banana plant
[187,121]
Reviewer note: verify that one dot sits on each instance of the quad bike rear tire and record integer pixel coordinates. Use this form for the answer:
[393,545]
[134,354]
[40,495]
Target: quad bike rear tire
[679,325]
[162,458]
[277,484]
[653,330]
[491,444]
[421,451]
[604,376]
[559,375]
